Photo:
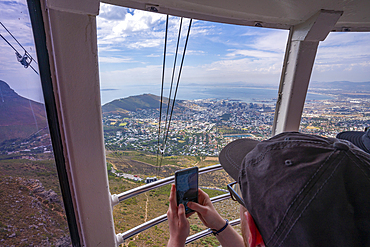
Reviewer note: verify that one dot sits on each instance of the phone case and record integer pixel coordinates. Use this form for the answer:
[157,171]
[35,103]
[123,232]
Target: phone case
[186,182]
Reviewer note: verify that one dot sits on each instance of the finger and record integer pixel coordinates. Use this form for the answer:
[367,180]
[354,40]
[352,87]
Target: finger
[173,203]
[202,193]
[181,214]
[189,214]
[197,207]
[203,197]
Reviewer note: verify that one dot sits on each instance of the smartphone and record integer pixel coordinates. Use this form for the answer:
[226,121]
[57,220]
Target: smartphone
[186,182]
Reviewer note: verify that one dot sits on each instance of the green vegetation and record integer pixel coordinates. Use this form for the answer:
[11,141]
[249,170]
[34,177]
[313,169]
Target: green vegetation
[210,241]
[226,116]
[132,244]
[133,103]
[164,190]
[43,170]
[195,228]
[213,193]
[131,201]
[109,166]
[229,131]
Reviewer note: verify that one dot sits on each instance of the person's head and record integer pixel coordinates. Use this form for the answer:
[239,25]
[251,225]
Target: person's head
[360,138]
[303,190]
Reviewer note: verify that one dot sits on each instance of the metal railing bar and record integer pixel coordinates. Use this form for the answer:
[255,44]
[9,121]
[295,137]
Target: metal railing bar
[206,232]
[136,191]
[121,237]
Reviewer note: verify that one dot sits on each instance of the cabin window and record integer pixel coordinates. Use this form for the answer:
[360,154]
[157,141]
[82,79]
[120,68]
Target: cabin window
[31,205]
[227,90]
[339,92]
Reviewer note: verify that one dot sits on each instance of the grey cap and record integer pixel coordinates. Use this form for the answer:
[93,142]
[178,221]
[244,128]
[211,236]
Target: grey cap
[232,155]
[305,190]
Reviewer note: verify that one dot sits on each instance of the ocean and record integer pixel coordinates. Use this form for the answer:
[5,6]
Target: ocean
[244,94]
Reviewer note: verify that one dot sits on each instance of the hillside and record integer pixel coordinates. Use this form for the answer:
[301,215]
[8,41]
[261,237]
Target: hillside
[31,207]
[138,102]
[16,117]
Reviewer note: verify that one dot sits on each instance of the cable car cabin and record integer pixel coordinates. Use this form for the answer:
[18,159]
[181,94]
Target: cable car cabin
[65,34]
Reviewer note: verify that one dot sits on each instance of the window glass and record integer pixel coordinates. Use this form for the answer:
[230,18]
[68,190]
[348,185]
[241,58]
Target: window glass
[228,89]
[31,206]
[340,83]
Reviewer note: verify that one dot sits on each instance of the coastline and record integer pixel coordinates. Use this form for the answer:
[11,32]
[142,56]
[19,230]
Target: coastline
[243,94]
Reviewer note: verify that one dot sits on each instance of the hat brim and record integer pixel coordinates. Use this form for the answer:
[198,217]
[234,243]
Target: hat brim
[353,136]
[232,155]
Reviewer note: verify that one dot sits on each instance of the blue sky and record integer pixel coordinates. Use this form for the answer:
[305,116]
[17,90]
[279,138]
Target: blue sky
[130,44]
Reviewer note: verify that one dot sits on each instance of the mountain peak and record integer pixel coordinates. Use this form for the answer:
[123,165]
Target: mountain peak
[6,91]
[137,102]
[19,117]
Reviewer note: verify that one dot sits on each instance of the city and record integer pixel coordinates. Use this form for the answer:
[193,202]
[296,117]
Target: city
[208,125]
[203,127]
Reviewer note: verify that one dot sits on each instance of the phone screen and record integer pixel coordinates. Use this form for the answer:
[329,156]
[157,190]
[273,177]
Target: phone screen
[186,182]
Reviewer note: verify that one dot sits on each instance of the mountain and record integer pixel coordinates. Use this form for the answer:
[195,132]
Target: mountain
[342,85]
[138,102]
[19,117]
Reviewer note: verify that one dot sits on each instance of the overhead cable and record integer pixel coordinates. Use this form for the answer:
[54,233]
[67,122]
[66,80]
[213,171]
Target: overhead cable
[163,148]
[174,98]
[160,104]
[25,59]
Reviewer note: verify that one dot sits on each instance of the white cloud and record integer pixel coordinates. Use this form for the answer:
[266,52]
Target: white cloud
[145,43]
[273,40]
[343,56]
[136,29]
[153,55]
[255,54]
[136,76]
[219,72]
[119,27]
[193,52]
[114,60]
[240,69]
[110,12]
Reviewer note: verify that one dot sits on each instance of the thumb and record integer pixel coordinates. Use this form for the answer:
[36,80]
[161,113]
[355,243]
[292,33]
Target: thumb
[197,207]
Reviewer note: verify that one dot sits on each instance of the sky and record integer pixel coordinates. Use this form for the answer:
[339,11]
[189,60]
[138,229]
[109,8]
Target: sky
[131,43]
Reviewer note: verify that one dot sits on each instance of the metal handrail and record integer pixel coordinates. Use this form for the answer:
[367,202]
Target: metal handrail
[138,190]
[206,232]
[121,237]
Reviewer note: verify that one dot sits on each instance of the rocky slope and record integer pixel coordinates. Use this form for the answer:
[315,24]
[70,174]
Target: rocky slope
[30,215]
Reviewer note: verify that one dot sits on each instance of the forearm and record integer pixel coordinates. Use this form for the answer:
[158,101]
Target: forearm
[175,243]
[229,237]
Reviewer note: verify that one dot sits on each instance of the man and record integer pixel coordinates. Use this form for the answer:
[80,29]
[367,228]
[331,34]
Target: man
[298,190]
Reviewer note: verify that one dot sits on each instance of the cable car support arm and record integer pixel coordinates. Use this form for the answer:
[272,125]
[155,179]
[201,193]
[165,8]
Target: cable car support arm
[299,59]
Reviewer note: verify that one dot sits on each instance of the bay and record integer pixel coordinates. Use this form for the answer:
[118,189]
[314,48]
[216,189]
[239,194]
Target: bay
[244,94]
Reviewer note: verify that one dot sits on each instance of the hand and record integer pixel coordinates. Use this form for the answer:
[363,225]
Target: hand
[177,222]
[206,212]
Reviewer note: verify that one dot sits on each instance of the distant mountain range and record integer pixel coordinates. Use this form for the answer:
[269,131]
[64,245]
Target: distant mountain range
[19,117]
[150,101]
[139,102]
[342,85]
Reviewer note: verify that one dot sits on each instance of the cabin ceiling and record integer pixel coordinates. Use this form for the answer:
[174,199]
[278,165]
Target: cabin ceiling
[268,13]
